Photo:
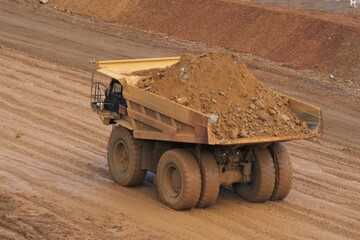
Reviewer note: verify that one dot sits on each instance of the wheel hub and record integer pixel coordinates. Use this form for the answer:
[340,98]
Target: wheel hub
[121,157]
[172,180]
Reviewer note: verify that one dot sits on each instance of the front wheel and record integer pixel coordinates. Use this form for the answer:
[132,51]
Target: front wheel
[124,158]
[262,183]
[178,179]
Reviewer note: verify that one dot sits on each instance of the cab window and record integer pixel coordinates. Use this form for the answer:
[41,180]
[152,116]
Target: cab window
[117,88]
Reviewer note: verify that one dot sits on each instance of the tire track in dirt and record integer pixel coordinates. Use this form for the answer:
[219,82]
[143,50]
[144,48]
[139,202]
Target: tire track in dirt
[39,184]
[51,122]
[57,170]
[92,149]
[38,146]
[36,172]
[234,217]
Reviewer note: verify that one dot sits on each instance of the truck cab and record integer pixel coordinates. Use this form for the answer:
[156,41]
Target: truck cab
[114,100]
[108,100]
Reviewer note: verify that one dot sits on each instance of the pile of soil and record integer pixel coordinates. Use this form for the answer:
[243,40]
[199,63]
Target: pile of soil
[220,85]
[320,41]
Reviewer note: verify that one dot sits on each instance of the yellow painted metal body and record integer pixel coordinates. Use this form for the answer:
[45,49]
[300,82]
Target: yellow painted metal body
[122,68]
[154,117]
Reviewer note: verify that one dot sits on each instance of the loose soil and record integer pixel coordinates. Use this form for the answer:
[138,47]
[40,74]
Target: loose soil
[321,41]
[54,178]
[336,6]
[220,85]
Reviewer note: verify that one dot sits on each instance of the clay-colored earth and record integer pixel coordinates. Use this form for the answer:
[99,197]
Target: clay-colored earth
[54,180]
[219,84]
[325,42]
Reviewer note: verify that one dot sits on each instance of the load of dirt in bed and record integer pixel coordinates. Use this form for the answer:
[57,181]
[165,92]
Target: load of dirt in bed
[220,85]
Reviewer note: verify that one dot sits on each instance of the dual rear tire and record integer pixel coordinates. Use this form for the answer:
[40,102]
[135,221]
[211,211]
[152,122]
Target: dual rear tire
[183,184]
[283,172]
[262,183]
[271,175]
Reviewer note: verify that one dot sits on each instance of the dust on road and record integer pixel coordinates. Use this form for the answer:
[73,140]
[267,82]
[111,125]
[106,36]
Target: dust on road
[54,181]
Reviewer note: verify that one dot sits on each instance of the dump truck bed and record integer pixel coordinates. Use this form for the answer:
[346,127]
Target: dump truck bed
[154,117]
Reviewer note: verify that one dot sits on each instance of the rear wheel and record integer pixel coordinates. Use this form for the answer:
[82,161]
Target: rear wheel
[124,158]
[209,180]
[262,183]
[283,172]
[178,179]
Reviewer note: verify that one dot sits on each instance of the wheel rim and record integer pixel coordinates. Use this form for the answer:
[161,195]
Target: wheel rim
[172,181]
[121,157]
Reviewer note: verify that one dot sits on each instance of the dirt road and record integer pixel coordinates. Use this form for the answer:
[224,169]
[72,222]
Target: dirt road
[54,181]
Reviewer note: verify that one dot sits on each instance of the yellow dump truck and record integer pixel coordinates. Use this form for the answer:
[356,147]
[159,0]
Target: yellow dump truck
[153,133]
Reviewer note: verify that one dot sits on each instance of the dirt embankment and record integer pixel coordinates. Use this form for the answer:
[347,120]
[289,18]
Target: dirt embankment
[328,42]
[220,84]
[54,178]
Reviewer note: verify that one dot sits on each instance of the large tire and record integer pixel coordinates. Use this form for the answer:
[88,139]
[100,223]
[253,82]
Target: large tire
[178,179]
[124,158]
[283,172]
[210,180]
[262,183]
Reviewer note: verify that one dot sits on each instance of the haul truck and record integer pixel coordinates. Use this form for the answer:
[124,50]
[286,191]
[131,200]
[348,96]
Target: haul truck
[153,133]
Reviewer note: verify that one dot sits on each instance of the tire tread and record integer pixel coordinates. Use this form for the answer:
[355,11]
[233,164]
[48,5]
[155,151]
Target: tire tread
[209,180]
[136,175]
[265,181]
[283,171]
[192,179]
